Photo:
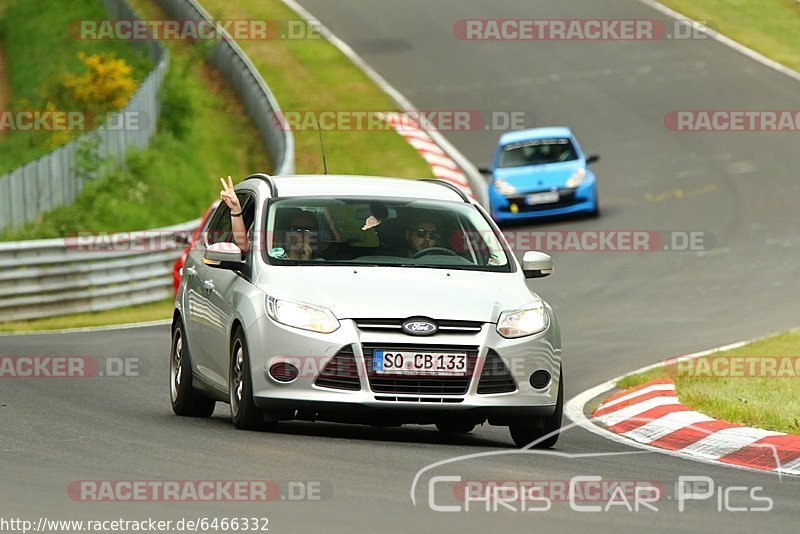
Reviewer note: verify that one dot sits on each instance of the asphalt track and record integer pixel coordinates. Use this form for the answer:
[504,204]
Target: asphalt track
[618,311]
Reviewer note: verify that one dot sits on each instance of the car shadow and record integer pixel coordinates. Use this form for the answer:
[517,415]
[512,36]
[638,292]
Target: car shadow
[423,434]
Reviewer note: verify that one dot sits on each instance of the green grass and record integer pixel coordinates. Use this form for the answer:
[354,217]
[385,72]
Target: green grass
[312,74]
[771,27]
[155,311]
[763,402]
[203,134]
[39,53]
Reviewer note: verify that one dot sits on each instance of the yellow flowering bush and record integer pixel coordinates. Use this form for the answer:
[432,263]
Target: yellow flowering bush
[107,84]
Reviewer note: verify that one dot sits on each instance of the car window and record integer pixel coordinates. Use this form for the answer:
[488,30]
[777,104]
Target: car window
[537,152]
[385,232]
[219,229]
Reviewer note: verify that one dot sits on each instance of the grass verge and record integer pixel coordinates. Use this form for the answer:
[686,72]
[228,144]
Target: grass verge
[203,134]
[312,75]
[154,311]
[768,402]
[771,27]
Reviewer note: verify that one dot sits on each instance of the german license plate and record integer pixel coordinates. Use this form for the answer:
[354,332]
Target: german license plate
[542,198]
[419,363]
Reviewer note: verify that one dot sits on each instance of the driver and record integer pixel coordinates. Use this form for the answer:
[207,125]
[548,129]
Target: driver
[421,234]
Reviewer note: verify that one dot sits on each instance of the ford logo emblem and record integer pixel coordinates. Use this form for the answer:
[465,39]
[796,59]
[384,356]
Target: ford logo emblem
[419,327]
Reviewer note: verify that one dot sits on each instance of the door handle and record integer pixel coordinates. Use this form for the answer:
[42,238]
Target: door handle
[191,271]
[208,284]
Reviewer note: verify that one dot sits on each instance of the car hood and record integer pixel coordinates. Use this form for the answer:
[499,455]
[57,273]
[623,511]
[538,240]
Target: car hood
[538,177]
[397,292]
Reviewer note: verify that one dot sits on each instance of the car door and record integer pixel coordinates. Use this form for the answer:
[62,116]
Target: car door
[217,289]
[204,323]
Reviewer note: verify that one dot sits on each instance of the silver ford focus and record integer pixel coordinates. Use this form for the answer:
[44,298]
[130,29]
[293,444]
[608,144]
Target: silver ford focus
[365,300]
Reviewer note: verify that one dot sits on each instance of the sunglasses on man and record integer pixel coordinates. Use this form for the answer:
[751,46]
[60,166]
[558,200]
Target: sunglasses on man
[422,232]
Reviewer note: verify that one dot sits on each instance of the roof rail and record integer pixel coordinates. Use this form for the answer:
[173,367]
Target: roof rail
[267,178]
[448,185]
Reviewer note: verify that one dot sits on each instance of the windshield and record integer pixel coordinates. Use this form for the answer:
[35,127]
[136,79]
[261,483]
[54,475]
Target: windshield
[537,152]
[387,232]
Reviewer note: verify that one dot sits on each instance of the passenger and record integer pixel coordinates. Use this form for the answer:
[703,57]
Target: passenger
[300,232]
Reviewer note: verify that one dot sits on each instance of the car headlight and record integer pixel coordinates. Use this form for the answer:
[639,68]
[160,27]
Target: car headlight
[525,322]
[304,316]
[504,188]
[577,178]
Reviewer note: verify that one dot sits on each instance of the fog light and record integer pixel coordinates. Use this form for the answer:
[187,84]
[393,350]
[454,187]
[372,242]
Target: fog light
[284,372]
[540,379]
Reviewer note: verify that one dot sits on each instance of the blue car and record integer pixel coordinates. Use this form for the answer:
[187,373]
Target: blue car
[541,172]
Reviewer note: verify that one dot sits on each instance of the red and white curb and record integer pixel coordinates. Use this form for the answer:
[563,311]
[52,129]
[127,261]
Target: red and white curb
[442,166]
[653,415]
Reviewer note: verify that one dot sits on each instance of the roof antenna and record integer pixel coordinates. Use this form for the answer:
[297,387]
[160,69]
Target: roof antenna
[322,145]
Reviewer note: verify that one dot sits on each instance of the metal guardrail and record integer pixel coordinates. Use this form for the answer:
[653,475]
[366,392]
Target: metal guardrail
[53,180]
[237,69]
[48,277]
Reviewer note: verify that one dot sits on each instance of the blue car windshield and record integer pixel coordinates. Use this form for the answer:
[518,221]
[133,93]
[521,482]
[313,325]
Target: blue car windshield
[382,232]
[537,152]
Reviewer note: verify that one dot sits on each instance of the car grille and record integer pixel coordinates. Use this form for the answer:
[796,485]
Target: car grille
[566,198]
[495,378]
[341,372]
[420,385]
[446,326]
[429,400]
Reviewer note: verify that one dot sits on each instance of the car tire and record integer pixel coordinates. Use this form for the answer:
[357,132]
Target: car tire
[186,401]
[244,413]
[523,434]
[455,427]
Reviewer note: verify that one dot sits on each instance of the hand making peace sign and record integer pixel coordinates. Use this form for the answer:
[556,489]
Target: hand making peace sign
[229,196]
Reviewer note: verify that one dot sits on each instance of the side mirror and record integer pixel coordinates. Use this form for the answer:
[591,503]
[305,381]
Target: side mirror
[537,264]
[484,170]
[224,256]
[592,158]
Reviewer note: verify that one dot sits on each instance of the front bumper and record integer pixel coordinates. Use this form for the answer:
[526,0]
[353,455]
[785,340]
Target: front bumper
[582,199]
[271,343]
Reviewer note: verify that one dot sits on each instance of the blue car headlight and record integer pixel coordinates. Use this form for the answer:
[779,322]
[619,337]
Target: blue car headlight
[577,178]
[504,188]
